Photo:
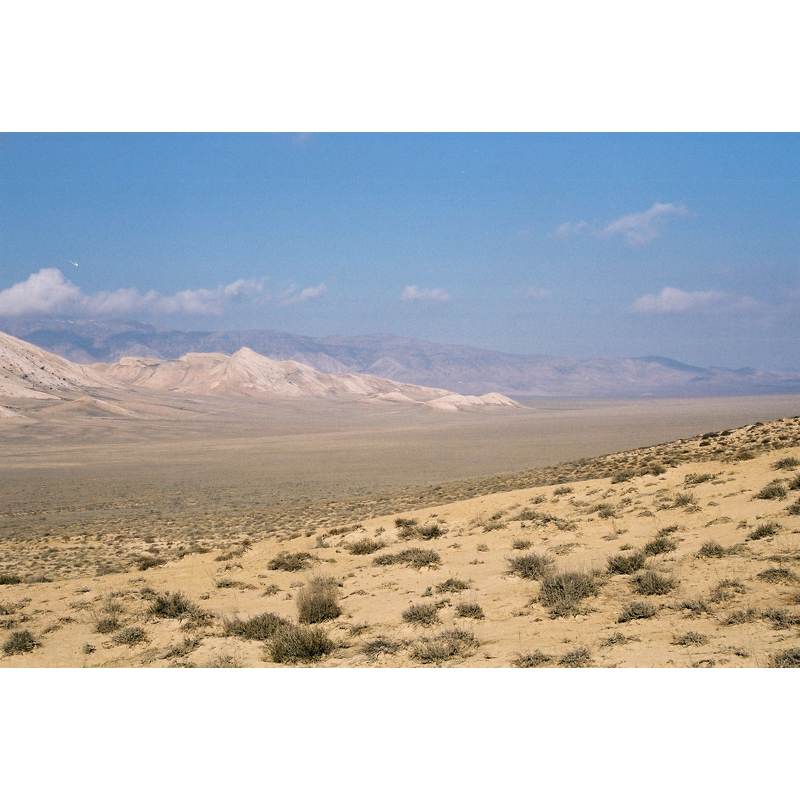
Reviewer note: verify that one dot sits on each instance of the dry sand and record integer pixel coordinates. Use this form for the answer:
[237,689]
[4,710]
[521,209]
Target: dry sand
[725,564]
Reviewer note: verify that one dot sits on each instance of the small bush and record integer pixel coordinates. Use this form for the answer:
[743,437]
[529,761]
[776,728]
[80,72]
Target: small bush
[174,605]
[637,610]
[653,583]
[563,591]
[622,476]
[778,575]
[9,578]
[772,491]
[130,636]
[794,483]
[431,530]
[521,544]
[786,658]
[626,564]
[260,628]
[690,638]
[422,614]
[107,624]
[317,601]
[786,463]
[780,617]
[794,508]
[742,616]
[725,590]
[580,657]
[363,547]
[528,660]
[293,643]
[452,585]
[472,610]
[685,500]
[290,562]
[696,607]
[148,562]
[183,649]
[712,549]
[762,531]
[694,478]
[402,522]
[414,557]
[379,646]
[656,469]
[19,642]
[444,646]
[531,566]
[562,490]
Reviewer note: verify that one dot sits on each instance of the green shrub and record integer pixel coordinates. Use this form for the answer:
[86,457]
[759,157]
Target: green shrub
[452,585]
[653,583]
[317,601]
[637,610]
[563,591]
[290,562]
[531,566]
[422,614]
[293,643]
[363,547]
[19,642]
[260,628]
[529,660]
[444,646]
[414,557]
[626,564]
[472,610]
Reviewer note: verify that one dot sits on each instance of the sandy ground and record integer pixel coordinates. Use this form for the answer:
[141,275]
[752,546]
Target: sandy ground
[710,576]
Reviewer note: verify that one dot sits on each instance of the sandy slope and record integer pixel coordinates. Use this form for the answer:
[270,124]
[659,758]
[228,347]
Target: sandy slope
[724,560]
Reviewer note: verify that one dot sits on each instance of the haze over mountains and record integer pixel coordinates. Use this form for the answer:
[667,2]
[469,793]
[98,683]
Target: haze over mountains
[455,368]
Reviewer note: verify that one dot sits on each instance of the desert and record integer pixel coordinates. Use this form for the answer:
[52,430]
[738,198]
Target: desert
[186,524]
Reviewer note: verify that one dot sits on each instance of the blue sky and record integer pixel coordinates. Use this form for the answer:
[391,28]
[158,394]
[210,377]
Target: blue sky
[580,245]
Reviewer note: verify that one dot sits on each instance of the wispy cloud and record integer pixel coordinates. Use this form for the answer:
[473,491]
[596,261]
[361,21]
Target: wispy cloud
[670,301]
[644,226]
[413,294]
[293,297]
[567,229]
[50,292]
[538,294]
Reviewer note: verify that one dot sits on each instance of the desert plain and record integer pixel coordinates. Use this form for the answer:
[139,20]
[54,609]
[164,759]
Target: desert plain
[184,531]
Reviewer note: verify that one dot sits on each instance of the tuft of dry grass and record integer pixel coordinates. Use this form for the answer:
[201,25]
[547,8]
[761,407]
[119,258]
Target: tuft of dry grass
[532,659]
[452,585]
[290,562]
[662,543]
[422,614]
[444,646]
[317,601]
[690,638]
[786,658]
[626,564]
[775,490]
[471,610]
[414,557]
[20,642]
[562,592]
[579,657]
[363,547]
[130,636]
[653,583]
[637,610]
[305,643]
[260,628]
[531,566]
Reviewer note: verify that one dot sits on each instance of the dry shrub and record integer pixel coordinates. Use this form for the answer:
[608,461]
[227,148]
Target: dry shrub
[786,658]
[363,547]
[764,530]
[293,643]
[778,575]
[130,636]
[414,557]
[690,638]
[379,646]
[19,642]
[472,610]
[422,614]
[9,578]
[662,543]
[653,583]
[452,585]
[175,605]
[775,490]
[626,564]
[530,660]
[148,562]
[260,628]
[444,646]
[563,591]
[712,549]
[521,544]
[290,562]
[317,601]
[532,566]
[637,610]
[580,657]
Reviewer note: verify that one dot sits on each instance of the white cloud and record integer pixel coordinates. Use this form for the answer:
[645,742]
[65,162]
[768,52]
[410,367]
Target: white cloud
[567,229]
[671,300]
[291,299]
[644,226]
[413,294]
[49,292]
[538,294]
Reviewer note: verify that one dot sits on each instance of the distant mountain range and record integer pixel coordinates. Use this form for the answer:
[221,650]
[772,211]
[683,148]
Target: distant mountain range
[456,368]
